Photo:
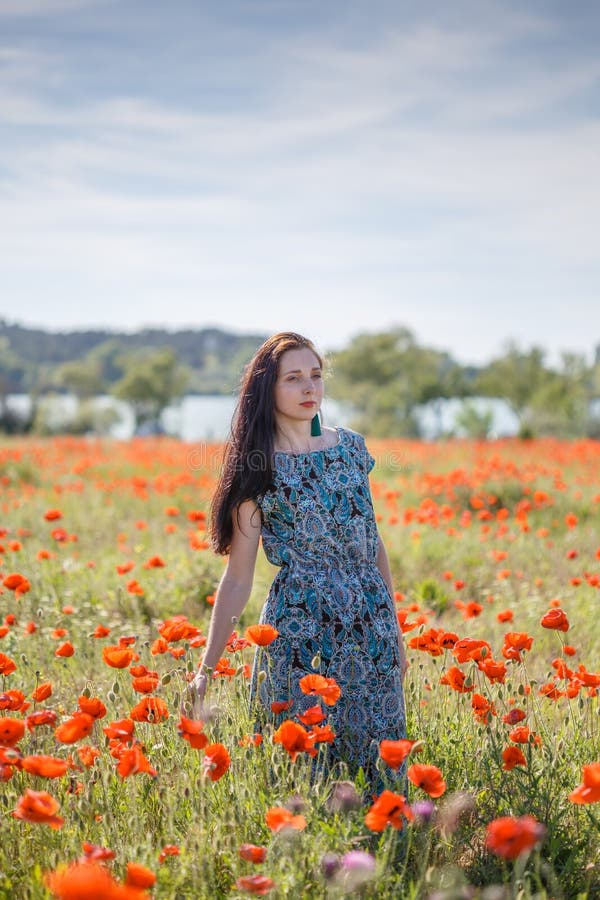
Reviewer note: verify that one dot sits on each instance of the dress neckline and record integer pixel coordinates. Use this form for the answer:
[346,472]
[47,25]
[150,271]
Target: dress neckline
[335,446]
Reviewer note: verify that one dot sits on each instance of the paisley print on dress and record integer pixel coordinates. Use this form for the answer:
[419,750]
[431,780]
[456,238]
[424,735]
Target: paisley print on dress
[329,600]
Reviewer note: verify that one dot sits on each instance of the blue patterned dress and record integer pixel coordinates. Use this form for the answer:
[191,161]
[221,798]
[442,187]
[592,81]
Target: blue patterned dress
[329,600]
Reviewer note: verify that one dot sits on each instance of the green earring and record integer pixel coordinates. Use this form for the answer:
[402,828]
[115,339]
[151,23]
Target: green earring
[315,426]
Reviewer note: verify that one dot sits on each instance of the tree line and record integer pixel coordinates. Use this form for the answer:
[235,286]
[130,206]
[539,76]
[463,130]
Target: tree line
[383,378]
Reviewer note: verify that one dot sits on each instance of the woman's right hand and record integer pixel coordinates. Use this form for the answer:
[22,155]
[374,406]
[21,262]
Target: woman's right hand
[192,702]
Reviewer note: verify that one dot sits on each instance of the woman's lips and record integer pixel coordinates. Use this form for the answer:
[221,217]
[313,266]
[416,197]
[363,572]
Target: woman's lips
[308,403]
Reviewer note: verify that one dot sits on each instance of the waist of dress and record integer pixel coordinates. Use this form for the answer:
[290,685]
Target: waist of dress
[326,564]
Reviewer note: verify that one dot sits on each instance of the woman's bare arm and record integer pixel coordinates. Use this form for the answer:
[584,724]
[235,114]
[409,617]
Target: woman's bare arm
[231,598]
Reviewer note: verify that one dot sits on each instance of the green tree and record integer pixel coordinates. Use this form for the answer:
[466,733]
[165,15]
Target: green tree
[82,377]
[516,377]
[384,377]
[151,382]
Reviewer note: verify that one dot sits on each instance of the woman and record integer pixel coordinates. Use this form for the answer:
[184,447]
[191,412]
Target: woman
[305,490]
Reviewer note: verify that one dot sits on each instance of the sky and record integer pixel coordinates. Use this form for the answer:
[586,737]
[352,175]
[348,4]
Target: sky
[324,167]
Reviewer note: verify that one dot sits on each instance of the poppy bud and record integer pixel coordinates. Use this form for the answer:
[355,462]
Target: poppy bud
[166,678]
[316,661]
[115,688]
[262,676]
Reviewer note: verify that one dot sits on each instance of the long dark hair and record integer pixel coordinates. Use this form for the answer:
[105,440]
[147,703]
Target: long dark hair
[247,463]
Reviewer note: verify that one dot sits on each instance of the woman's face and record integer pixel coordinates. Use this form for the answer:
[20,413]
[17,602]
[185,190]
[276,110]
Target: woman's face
[298,390]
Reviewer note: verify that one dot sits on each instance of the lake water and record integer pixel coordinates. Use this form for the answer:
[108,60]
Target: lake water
[208,417]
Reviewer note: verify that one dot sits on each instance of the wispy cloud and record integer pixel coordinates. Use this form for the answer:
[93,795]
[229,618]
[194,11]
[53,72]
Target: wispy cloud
[431,172]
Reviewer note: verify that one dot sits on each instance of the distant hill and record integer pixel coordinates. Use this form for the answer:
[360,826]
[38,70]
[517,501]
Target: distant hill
[30,356]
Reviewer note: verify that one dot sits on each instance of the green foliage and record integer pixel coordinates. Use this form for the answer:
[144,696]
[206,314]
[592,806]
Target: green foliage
[385,376]
[432,595]
[151,382]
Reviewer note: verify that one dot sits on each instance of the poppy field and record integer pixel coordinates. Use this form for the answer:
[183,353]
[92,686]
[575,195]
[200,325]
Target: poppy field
[106,586]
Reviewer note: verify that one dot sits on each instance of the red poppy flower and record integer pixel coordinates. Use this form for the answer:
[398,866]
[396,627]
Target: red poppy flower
[88,878]
[317,685]
[393,753]
[216,761]
[295,739]
[93,706]
[469,648]
[513,756]
[42,691]
[252,853]
[191,730]
[118,657]
[45,766]
[149,709]
[40,717]
[255,884]
[279,706]
[11,731]
[279,818]
[428,778]
[388,809]
[75,728]
[555,619]
[457,680]
[132,761]
[7,665]
[314,715]
[589,790]
[96,852]
[120,730]
[261,635]
[13,700]
[40,807]
[515,716]
[168,850]
[139,876]
[509,837]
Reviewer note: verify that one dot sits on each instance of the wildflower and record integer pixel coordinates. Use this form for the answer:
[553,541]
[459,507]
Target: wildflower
[356,869]
[93,706]
[216,761]
[252,853]
[513,756]
[395,752]
[513,717]
[589,791]
[95,852]
[509,837]
[191,730]
[45,766]
[132,761]
[262,635]
[326,688]
[149,709]
[428,778]
[294,739]
[7,665]
[168,850]
[314,715]
[388,809]
[40,807]
[11,731]
[139,876]
[42,691]
[118,657]
[75,728]
[255,884]
[344,797]
[278,818]
[457,680]
[555,619]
